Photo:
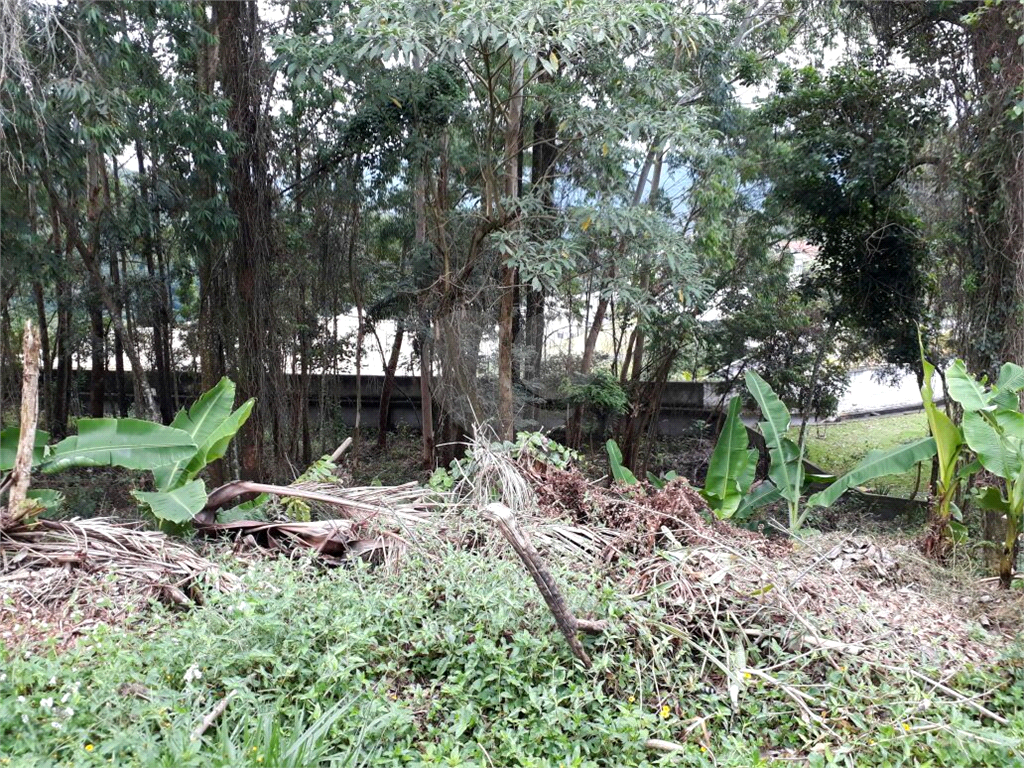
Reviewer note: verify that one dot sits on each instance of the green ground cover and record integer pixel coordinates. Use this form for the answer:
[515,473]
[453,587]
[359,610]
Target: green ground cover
[454,661]
[839,447]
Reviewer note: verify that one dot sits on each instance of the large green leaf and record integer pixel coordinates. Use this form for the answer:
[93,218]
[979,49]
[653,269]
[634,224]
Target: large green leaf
[990,498]
[764,494]
[775,412]
[786,470]
[876,464]
[9,447]
[965,389]
[620,473]
[995,452]
[200,422]
[177,506]
[129,443]
[1011,378]
[948,437]
[732,466]
[216,444]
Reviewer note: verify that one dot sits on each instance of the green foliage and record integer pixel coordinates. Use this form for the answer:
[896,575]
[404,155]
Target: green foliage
[174,454]
[732,466]
[620,474]
[787,466]
[454,661]
[9,447]
[993,428]
[211,422]
[320,471]
[841,144]
[601,393]
[876,464]
[128,443]
[659,482]
[535,446]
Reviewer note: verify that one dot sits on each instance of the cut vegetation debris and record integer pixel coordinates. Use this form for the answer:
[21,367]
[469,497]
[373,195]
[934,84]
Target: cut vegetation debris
[693,639]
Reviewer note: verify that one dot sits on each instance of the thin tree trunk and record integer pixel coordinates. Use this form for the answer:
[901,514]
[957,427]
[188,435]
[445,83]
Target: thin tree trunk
[426,402]
[513,146]
[46,373]
[426,343]
[388,386]
[98,374]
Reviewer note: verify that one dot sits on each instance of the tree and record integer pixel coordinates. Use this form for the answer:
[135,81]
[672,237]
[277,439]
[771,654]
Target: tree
[841,149]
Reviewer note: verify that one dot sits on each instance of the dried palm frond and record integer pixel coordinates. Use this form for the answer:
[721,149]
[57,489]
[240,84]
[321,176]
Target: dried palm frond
[103,544]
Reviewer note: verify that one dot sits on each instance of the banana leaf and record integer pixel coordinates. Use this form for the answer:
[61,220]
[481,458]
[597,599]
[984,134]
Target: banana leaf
[9,447]
[732,466]
[128,443]
[177,506]
[876,464]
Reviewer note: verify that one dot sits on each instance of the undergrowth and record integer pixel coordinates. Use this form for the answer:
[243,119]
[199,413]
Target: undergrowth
[455,661]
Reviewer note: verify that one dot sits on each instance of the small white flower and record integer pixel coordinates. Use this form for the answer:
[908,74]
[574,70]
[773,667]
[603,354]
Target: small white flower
[75,686]
[24,719]
[64,698]
[46,703]
[21,699]
[192,673]
[3,677]
[56,726]
[53,681]
[68,711]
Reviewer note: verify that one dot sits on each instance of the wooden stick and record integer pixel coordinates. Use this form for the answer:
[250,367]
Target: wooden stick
[664,746]
[21,473]
[505,521]
[211,718]
[341,449]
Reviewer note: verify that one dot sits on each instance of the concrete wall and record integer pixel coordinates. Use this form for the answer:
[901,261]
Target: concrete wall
[682,402]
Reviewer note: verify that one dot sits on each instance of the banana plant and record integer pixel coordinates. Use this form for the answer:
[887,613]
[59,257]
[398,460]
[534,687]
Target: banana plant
[946,443]
[787,460]
[620,473]
[732,467]
[174,454]
[210,423]
[993,428]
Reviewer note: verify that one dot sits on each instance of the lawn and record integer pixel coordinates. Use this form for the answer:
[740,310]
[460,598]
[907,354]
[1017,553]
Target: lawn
[837,448]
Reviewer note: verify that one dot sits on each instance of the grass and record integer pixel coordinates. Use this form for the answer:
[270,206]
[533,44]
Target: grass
[839,447]
[455,661]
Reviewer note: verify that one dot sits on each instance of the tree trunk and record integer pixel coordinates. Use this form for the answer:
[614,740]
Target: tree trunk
[388,386]
[254,251]
[98,374]
[513,146]
[426,345]
[46,369]
[426,403]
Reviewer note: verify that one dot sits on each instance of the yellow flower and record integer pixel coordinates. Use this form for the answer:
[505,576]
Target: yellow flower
[747,675]
[665,711]
[631,699]
[703,749]
[259,758]
[89,747]
[906,726]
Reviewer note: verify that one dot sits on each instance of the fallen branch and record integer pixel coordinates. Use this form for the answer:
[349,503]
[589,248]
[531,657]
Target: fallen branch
[505,521]
[341,449]
[211,718]
[960,697]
